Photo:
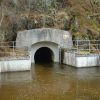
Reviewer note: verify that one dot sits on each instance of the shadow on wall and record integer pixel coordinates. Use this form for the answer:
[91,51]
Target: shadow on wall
[44,55]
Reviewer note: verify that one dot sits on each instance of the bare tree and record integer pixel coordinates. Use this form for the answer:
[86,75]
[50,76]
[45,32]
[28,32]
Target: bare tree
[2,15]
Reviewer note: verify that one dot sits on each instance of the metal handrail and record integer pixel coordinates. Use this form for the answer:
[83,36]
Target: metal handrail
[86,45]
[9,49]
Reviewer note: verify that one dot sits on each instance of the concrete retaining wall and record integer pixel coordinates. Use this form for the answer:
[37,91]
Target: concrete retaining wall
[15,65]
[81,60]
[69,59]
[87,61]
[44,37]
[30,37]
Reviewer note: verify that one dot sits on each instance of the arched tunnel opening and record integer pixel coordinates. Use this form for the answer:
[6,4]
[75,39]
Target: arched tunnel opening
[43,55]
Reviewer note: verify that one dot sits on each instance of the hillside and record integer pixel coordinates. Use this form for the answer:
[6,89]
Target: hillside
[80,17]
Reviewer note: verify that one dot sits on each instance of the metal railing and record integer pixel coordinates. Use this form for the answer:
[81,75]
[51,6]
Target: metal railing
[10,50]
[86,46]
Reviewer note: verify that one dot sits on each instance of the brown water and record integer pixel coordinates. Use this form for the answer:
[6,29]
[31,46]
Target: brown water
[51,82]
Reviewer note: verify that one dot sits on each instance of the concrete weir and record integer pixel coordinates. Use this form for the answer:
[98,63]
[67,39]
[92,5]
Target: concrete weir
[79,61]
[15,65]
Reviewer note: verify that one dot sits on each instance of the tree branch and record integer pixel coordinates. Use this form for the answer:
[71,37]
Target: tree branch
[2,16]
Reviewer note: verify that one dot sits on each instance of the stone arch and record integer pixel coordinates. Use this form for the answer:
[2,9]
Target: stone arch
[52,48]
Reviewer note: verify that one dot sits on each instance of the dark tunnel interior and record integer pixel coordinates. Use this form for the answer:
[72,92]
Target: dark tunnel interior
[43,55]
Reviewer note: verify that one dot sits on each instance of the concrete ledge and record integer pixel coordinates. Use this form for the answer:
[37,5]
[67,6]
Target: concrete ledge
[70,59]
[88,61]
[15,65]
[76,60]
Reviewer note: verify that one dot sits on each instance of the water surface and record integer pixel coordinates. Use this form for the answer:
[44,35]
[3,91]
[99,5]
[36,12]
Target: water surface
[51,82]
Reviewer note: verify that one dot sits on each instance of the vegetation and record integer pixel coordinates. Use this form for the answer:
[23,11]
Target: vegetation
[80,17]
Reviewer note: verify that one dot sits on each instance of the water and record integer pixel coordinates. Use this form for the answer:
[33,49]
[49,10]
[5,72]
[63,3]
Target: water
[51,82]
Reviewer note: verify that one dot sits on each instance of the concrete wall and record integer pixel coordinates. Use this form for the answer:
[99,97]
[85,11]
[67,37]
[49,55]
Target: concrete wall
[44,37]
[69,58]
[52,46]
[29,37]
[87,61]
[81,60]
[15,65]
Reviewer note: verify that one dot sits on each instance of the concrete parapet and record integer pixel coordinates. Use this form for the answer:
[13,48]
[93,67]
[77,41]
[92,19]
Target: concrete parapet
[15,65]
[77,60]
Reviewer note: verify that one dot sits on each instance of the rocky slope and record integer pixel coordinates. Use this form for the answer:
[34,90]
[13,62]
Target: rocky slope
[81,17]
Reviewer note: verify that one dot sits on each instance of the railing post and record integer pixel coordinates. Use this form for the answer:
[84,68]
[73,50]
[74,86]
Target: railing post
[97,46]
[89,47]
[59,55]
[13,48]
[77,46]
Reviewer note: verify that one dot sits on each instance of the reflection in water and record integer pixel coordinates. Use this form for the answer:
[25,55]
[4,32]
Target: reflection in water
[15,77]
[51,82]
[88,73]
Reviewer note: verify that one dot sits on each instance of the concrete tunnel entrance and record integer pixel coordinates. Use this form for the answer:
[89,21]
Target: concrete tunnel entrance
[44,55]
